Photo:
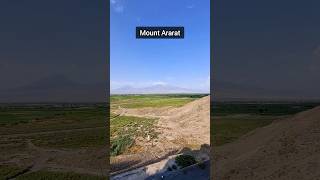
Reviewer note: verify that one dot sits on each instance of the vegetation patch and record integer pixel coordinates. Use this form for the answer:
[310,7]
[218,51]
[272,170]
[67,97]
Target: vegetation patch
[120,144]
[124,129]
[185,160]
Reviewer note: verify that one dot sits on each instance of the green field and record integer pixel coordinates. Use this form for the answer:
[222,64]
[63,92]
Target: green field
[229,121]
[37,118]
[140,101]
[24,114]
[55,126]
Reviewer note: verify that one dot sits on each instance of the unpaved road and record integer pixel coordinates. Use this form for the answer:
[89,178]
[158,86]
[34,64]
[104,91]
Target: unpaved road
[51,132]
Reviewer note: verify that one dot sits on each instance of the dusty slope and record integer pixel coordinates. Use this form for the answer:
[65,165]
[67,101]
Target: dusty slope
[285,149]
[190,122]
[179,128]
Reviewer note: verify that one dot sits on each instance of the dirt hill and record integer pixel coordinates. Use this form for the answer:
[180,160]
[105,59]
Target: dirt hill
[190,122]
[285,149]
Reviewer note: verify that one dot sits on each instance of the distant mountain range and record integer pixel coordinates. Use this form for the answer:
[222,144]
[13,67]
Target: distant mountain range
[56,88]
[155,89]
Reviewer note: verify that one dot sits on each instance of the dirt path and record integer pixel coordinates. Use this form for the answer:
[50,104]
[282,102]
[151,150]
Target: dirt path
[50,132]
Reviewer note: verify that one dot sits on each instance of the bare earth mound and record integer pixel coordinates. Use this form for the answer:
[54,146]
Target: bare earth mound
[186,127]
[190,123]
[285,149]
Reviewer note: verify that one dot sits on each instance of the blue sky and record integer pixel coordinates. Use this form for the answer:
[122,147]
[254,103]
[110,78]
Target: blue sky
[141,63]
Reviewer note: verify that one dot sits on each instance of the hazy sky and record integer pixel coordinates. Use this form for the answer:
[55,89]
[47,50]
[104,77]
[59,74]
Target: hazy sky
[137,62]
[273,45]
[59,40]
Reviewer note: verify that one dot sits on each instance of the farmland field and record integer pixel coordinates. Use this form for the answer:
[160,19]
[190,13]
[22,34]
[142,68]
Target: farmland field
[39,139]
[140,101]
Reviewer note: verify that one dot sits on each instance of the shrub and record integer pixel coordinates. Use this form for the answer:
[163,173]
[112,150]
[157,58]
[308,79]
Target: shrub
[185,160]
[120,144]
[202,165]
[174,167]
